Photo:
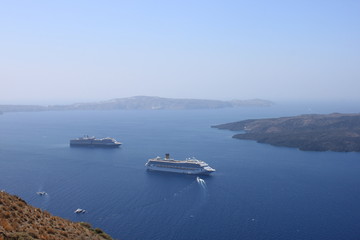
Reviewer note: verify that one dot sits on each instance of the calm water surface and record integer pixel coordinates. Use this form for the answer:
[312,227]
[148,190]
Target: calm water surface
[258,192]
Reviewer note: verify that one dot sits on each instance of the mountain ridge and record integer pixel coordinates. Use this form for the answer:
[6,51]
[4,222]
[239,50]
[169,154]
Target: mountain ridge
[142,103]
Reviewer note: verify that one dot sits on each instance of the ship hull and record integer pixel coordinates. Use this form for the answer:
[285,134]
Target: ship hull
[182,171]
[95,145]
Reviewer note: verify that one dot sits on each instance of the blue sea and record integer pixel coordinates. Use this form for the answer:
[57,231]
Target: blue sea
[257,192]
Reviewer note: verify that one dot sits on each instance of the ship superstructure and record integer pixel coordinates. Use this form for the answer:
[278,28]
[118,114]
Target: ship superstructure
[187,166]
[94,142]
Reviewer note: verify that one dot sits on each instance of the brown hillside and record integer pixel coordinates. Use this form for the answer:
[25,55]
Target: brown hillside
[20,221]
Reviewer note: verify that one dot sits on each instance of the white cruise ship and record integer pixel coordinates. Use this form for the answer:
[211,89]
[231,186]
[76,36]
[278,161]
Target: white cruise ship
[93,142]
[188,166]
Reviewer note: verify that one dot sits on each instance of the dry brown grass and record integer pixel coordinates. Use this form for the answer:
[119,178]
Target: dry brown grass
[20,221]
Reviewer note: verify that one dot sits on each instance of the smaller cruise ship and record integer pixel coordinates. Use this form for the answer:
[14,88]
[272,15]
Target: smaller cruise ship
[87,141]
[187,166]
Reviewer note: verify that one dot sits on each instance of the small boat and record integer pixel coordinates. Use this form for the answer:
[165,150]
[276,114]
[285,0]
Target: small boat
[41,193]
[79,210]
[198,179]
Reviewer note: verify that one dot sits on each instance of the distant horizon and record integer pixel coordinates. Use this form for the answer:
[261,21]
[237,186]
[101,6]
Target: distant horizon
[61,102]
[93,100]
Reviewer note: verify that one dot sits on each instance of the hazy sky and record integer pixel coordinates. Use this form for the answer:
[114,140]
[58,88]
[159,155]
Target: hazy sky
[69,51]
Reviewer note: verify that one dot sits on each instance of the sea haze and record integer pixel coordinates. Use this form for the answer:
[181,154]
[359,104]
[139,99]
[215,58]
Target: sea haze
[258,191]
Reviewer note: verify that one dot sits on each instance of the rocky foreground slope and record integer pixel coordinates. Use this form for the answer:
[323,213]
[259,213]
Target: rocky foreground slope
[315,132]
[20,221]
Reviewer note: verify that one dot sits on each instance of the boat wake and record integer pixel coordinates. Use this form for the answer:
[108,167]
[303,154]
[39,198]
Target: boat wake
[201,182]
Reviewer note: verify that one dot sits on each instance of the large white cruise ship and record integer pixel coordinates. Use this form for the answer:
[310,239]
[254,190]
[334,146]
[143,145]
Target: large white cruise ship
[188,166]
[93,142]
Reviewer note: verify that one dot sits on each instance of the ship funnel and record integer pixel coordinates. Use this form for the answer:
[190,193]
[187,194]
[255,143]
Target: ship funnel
[167,156]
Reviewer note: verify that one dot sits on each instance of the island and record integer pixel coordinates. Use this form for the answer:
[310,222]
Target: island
[142,103]
[18,220]
[312,132]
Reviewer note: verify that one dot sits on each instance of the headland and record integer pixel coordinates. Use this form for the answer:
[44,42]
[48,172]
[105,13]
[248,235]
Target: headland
[314,132]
